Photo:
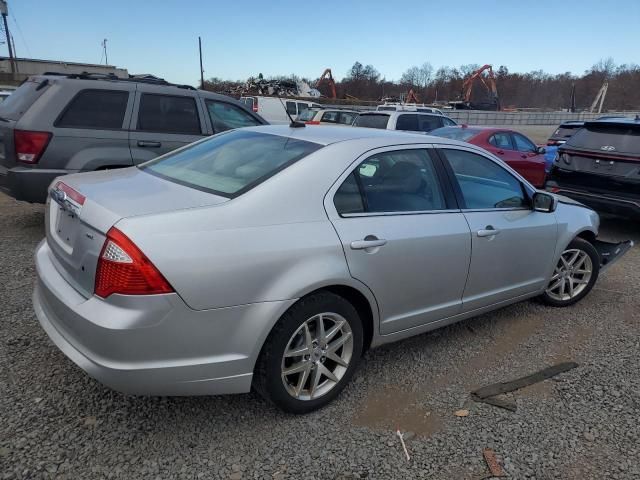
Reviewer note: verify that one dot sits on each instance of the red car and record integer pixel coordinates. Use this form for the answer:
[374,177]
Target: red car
[515,149]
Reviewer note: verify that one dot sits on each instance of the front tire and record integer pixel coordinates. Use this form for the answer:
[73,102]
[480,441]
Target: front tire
[311,354]
[574,276]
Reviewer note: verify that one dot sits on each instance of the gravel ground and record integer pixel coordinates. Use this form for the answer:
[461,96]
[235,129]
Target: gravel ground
[56,422]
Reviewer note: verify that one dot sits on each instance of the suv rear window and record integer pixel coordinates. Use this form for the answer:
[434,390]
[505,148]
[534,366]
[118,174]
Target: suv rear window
[372,121]
[16,104]
[95,109]
[168,114]
[231,163]
[623,139]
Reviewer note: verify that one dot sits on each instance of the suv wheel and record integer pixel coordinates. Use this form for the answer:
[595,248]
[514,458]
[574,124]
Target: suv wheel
[311,353]
[574,276]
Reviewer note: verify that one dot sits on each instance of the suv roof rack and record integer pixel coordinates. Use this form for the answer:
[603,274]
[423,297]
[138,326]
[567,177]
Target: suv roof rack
[114,78]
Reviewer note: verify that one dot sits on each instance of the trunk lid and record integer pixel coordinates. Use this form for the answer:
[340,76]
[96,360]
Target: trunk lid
[76,226]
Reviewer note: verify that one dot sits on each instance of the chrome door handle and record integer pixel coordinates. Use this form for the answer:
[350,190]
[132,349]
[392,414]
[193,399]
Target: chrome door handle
[371,243]
[144,144]
[488,232]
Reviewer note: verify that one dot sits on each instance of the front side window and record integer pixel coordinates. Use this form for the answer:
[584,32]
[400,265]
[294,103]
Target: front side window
[408,122]
[168,114]
[501,140]
[95,109]
[302,107]
[523,144]
[396,181]
[225,116]
[448,122]
[231,163]
[484,184]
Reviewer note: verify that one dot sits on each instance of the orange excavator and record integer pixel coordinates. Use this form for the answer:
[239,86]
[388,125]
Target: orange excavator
[327,78]
[411,97]
[489,82]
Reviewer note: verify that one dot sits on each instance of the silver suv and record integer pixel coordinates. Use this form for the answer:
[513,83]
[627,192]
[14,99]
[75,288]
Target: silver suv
[402,120]
[53,125]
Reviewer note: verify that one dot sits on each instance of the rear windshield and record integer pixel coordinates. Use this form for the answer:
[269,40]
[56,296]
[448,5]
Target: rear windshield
[230,163]
[307,115]
[455,133]
[386,109]
[372,121]
[566,131]
[14,106]
[616,139]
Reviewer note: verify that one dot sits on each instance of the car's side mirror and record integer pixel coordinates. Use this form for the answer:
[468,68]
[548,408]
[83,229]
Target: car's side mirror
[544,202]
[541,150]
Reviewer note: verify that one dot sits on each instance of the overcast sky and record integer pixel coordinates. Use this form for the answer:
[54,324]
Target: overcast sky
[244,38]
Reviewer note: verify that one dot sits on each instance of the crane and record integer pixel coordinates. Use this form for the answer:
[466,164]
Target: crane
[328,79]
[489,82]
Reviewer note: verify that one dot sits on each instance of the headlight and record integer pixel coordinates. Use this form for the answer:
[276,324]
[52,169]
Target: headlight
[566,158]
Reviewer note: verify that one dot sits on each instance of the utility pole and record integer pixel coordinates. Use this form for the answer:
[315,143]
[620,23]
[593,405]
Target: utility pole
[4,9]
[201,70]
[104,48]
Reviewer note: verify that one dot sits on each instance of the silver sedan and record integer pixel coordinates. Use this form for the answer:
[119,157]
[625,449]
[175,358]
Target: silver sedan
[273,257]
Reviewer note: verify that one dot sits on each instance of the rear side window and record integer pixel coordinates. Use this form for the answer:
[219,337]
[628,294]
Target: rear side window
[95,109]
[427,123]
[307,115]
[407,122]
[372,121]
[396,181]
[483,183]
[331,117]
[168,114]
[501,140]
[231,163]
[225,116]
[347,118]
[291,108]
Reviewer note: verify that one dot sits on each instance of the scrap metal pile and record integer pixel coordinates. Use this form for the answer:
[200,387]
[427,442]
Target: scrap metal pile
[282,87]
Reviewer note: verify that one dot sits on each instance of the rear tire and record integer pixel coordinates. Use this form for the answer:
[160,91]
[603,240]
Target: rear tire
[574,276]
[311,354]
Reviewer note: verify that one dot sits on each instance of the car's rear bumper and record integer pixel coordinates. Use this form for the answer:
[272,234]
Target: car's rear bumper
[28,184]
[152,345]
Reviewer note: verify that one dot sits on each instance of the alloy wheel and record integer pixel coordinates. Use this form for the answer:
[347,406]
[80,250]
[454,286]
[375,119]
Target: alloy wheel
[571,275]
[317,356]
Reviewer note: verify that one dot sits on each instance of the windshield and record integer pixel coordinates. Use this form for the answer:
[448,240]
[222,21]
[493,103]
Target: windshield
[231,163]
[616,139]
[455,133]
[372,121]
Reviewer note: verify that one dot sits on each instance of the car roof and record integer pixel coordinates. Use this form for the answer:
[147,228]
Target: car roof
[401,112]
[326,135]
[615,121]
[480,128]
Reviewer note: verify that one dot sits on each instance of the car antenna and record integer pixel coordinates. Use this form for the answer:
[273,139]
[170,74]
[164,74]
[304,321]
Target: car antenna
[294,123]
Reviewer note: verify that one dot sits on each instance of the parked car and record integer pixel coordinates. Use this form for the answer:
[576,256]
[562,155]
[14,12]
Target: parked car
[59,124]
[564,132]
[195,274]
[275,109]
[406,121]
[515,149]
[407,107]
[328,116]
[600,166]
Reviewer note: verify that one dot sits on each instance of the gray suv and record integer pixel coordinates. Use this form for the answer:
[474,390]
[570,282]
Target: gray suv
[53,125]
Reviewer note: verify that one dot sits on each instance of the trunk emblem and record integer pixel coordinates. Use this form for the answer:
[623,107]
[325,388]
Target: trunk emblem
[608,148]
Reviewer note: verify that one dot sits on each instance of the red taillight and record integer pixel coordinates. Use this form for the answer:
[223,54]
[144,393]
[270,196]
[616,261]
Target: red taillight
[312,122]
[74,195]
[30,146]
[123,268]
[254,106]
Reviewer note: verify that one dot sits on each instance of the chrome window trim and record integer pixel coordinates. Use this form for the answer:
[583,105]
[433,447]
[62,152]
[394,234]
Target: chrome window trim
[388,214]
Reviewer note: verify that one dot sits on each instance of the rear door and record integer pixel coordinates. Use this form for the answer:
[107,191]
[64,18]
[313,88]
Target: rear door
[530,163]
[513,245]
[403,235]
[164,120]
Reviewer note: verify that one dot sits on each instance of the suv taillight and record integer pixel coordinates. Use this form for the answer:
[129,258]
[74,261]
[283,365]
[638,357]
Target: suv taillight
[123,268]
[254,106]
[30,146]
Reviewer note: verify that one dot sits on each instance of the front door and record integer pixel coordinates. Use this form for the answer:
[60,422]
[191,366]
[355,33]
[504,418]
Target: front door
[163,122]
[403,236]
[510,242]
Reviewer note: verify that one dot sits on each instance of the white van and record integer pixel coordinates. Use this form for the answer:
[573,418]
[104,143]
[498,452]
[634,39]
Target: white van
[272,109]
[407,107]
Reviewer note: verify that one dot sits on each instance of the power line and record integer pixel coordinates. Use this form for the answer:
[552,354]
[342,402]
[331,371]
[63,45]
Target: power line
[24,41]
